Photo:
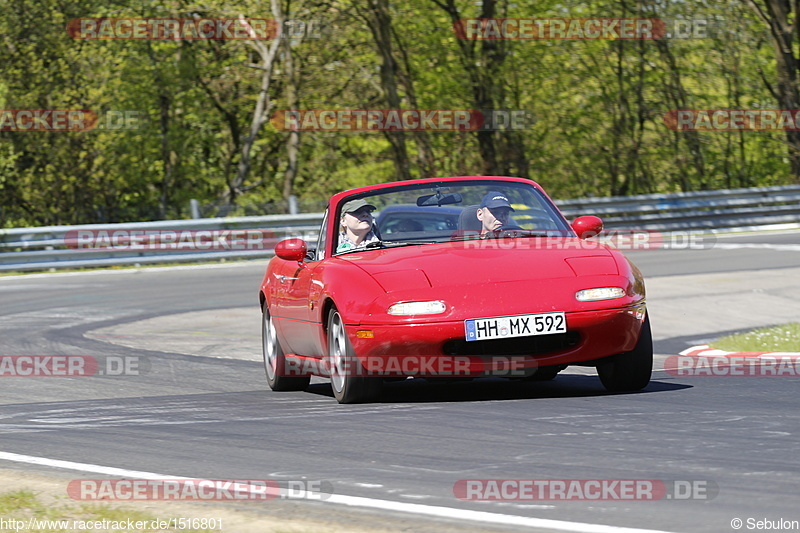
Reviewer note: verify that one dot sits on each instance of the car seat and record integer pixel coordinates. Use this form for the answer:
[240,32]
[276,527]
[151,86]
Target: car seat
[468,219]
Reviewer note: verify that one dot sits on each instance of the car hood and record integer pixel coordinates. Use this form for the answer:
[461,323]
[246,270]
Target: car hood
[492,260]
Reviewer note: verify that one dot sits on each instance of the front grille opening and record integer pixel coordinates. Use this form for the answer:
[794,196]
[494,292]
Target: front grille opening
[536,345]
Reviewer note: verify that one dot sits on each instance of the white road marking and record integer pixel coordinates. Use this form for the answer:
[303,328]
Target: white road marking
[356,501]
[758,246]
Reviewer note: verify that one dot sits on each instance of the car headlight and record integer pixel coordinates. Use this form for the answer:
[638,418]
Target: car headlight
[600,293]
[418,308]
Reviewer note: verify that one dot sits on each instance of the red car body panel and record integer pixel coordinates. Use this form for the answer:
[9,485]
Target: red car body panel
[476,279]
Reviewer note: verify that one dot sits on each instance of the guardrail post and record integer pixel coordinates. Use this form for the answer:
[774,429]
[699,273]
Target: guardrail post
[194,207]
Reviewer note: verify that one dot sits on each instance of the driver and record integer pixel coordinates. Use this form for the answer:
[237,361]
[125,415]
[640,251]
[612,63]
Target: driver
[356,225]
[494,212]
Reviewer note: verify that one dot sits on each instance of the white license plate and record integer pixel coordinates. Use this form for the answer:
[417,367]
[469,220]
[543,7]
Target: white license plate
[506,327]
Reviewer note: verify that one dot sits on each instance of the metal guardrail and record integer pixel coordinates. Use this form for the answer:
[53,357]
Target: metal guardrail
[212,239]
[719,209]
[139,243]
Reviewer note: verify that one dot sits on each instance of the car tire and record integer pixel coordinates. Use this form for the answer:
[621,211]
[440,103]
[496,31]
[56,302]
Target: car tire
[630,371]
[348,387]
[275,358]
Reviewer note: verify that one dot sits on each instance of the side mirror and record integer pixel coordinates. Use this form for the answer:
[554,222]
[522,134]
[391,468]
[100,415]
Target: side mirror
[291,249]
[587,226]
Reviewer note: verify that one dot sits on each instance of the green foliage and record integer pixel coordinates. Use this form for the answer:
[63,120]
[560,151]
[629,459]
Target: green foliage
[599,105]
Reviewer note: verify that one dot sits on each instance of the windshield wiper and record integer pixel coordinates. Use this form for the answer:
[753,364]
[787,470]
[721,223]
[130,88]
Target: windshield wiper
[394,244]
[374,245]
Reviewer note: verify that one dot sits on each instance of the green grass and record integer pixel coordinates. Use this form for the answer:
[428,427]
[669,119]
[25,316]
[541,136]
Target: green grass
[784,338]
[11,501]
[23,505]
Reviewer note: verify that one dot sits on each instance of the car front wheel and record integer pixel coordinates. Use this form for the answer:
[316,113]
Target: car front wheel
[348,381]
[275,359]
[630,371]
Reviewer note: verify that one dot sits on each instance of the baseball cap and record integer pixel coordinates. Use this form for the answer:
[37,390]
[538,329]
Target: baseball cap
[495,199]
[355,205]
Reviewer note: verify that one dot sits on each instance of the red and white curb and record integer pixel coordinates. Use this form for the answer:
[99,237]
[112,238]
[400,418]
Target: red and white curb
[703,360]
[704,350]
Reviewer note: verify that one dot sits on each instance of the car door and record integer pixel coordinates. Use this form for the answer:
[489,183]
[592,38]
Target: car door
[300,291]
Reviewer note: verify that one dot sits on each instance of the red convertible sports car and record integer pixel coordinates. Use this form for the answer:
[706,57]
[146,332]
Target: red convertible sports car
[451,278]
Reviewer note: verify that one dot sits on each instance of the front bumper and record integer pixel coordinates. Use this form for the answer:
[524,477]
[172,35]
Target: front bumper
[440,348]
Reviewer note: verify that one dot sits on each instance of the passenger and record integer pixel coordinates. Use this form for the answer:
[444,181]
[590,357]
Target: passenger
[494,212]
[356,225]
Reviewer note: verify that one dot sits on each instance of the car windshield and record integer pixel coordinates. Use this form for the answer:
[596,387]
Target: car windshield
[432,213]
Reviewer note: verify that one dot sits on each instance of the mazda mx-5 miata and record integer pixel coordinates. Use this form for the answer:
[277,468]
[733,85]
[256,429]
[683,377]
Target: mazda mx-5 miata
[451,278]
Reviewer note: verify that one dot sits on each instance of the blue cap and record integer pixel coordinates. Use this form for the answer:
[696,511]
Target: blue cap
[495,199]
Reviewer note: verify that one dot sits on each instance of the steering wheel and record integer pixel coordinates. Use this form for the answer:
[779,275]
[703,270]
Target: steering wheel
[510,227]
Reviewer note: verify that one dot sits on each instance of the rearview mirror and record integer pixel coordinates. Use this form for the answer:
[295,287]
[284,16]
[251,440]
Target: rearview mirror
[439,199]
[587,226]
[291,249]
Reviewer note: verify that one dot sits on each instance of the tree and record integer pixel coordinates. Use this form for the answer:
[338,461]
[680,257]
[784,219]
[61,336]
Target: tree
[781,19]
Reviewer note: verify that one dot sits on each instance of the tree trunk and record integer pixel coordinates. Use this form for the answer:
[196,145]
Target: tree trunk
[781,33]
[425,159]
[380,24]
[293,102]
[263,103]
[166,155]
[482,65]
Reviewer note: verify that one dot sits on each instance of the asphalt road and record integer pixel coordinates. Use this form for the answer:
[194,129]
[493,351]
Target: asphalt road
[733,438]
